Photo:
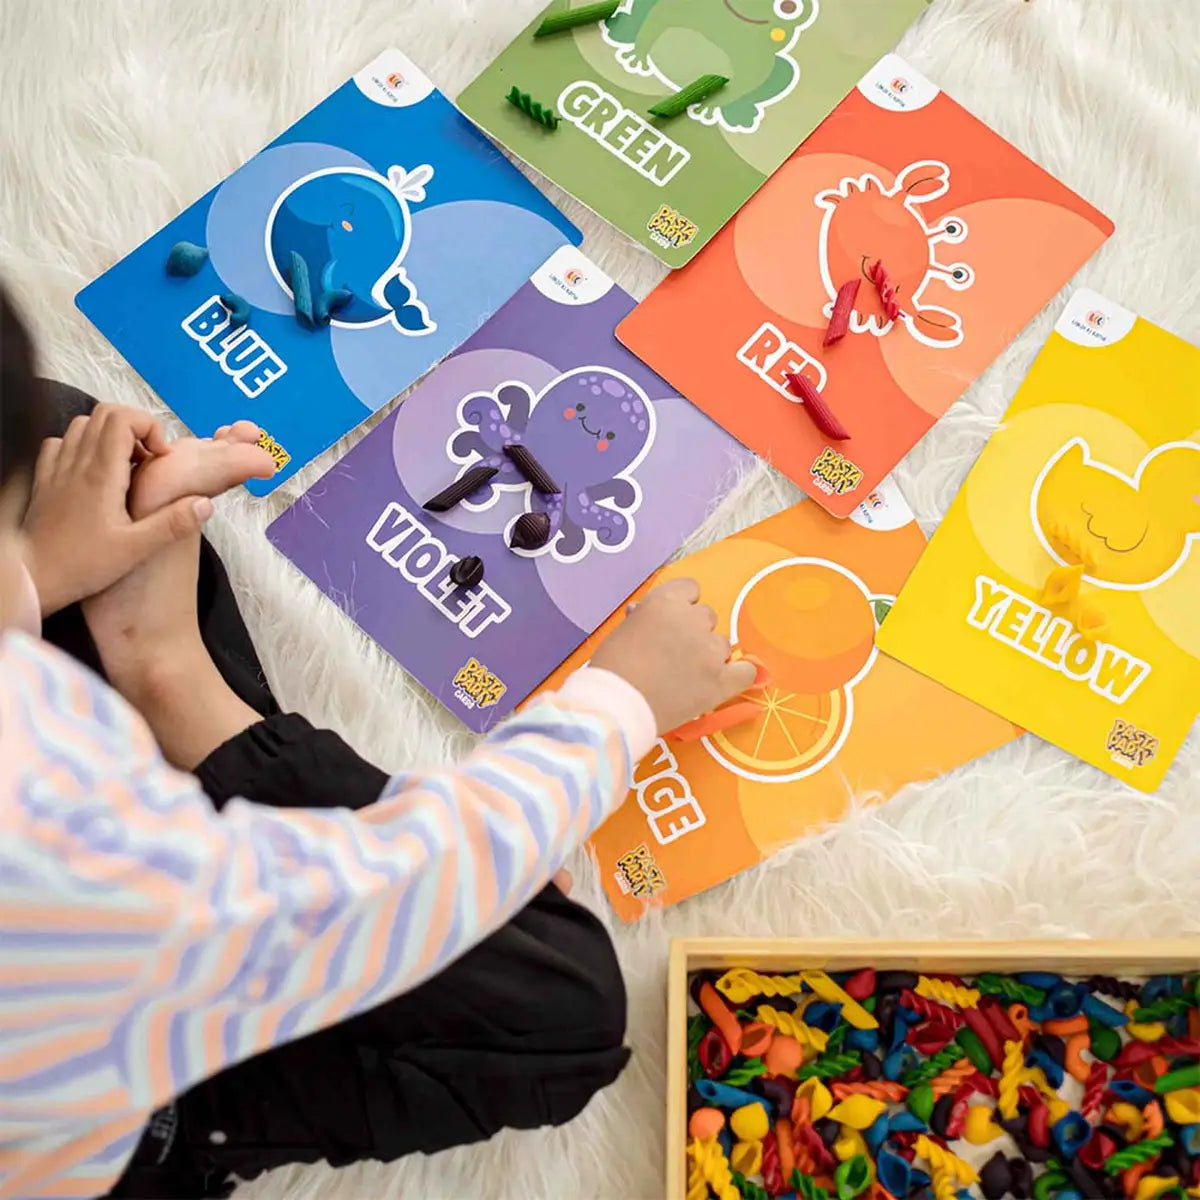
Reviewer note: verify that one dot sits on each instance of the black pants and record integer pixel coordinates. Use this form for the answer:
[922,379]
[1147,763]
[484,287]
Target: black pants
[520,1032]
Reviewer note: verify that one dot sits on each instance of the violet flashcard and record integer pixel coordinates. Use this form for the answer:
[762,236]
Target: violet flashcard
[637,468]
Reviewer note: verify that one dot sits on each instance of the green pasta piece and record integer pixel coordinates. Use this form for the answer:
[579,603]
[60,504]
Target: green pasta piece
[1184,1077]
[569,18]
[531,108]
[697,1028]
[1105,1041]
[1137,1153]
[829,1065]
[974,1049]
[807,1187]
[1161,1009]
[749,1189]
[752,1068]
[1049,1184]
[1009,989]
[931,1067]
[836,1039]
[678,104]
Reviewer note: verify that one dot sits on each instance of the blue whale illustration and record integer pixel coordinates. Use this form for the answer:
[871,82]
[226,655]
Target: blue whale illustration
[337,239]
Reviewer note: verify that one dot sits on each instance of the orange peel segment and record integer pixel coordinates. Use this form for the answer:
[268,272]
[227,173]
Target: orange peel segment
[736,712]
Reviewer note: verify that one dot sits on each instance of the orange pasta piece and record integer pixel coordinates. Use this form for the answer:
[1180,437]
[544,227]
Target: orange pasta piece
[1076,1044]
[717,1012]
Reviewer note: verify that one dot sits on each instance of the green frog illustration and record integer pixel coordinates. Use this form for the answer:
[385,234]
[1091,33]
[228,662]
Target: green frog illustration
[676,41]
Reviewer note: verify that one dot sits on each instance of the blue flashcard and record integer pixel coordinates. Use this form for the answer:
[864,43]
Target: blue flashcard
[383,216]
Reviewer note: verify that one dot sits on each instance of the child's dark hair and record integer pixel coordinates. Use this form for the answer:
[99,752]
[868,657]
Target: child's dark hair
[23,416]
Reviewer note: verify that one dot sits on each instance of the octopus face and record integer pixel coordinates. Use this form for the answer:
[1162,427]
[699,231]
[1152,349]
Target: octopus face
[589,427]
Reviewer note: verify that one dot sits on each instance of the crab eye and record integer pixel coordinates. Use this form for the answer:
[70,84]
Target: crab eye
[953,228]
[788,10]
[960,274]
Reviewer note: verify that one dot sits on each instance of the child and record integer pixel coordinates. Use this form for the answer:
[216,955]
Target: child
[400,964]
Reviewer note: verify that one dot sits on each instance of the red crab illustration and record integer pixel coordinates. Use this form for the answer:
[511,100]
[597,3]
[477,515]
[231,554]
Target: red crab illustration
[866,222]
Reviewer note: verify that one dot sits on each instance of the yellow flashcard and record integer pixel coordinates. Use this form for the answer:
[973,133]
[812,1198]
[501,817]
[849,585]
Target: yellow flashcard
[1062,591]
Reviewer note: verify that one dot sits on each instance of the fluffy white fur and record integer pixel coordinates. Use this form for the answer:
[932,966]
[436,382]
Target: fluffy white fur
[117,115]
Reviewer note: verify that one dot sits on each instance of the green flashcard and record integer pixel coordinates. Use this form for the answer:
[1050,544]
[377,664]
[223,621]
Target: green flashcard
[670,183]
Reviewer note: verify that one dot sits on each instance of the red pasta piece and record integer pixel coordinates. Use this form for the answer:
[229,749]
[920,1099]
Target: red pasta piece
[986,1034]
[887,290]
[931,1036]
[998,1016]
[861,984]
[1039,1125]
[985,1086]
[772,1172]
[931,1009]
[1093,1090]
[814,404]
[839,319]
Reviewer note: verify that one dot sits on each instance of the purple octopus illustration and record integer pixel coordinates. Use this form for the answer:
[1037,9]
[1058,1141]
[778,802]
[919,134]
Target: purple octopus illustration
[589,429]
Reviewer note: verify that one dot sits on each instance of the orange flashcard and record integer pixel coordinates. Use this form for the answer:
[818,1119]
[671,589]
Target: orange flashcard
[973,236]
[803,595]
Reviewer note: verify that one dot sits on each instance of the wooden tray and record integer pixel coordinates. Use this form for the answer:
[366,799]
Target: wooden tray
[785,955]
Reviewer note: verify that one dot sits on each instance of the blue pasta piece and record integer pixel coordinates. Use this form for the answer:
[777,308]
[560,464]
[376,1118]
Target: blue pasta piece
[1103,1012]
[239,309]
[903,1019]
[725,1139]
[302,296]
[721,1095]
[859,1039]
[823,1015]
[894,1172]
[1126,1089]
[1159,987]
[904,1121]
[1189,1136]
[1070,1134]
[186,258]
[1039,979]
[900,1060]
[1054,1072]
[1063,1000]
[875,1133]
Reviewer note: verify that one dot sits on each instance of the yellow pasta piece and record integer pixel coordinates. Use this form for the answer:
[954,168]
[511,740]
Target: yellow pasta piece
[741,984]
[1012,1075]
[945,992]
[852,1011]
[714,1168]
[849,1144]
[941,1159]
[788,1023]
[857,1111]
[746,1158]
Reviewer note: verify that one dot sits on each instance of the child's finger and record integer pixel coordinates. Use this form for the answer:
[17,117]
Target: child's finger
[737,677]
[47,459]
[687,590]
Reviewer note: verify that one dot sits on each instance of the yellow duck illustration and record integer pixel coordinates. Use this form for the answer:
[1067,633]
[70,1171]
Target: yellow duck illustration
[1115,532]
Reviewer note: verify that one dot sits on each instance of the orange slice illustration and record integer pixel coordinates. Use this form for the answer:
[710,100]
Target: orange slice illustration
[812,625]
[790,732]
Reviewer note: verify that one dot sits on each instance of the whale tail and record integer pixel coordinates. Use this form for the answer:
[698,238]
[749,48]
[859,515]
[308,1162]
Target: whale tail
[410,314]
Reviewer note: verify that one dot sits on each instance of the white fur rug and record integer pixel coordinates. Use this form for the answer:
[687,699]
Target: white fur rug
[115,115]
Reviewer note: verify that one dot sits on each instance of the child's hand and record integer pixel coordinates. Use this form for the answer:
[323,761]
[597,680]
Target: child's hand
[667,648]
[80,534]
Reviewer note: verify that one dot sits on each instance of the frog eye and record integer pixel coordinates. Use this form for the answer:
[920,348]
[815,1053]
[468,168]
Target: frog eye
[788,10]
[581,408]
[612,437]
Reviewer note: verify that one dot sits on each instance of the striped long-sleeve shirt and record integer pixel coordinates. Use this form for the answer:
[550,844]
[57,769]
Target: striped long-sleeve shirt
[147,942]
